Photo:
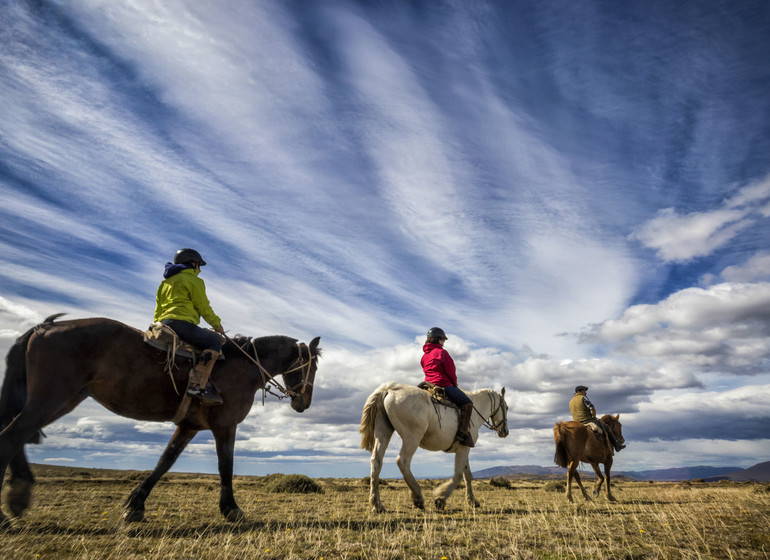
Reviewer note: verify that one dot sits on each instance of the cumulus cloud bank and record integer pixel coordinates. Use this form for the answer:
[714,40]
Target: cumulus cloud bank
[575,194]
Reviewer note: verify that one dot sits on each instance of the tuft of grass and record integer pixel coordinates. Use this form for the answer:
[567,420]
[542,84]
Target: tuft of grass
[293,484]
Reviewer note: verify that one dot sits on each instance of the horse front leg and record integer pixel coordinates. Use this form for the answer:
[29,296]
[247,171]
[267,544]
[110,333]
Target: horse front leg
[607,467]
[134,504]
[225,442]
[599,480]
[404,462]
[382,435]
[442,493]
[468,476]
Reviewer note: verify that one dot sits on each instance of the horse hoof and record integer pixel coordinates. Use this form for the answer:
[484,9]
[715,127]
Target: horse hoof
[235,515]
[19,496]
[475,503]
[379,509]
[419,504]
[440,503]
[133,515]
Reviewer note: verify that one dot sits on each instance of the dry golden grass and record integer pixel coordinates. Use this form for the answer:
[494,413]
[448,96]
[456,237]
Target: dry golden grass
[77,514]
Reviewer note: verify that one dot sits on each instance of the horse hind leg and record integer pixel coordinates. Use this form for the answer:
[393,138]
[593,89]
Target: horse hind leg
[573,473]
[19,495]
[134,504]
[404,462]
[383,433]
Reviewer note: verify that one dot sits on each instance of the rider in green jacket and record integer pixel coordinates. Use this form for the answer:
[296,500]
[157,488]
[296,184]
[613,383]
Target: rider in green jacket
[180,303]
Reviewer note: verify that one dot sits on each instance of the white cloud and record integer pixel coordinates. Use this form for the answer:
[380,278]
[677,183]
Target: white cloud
[756,269]
[680,238]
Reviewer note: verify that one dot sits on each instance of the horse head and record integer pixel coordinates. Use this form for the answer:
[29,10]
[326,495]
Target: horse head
[499,416]
[613,423]
[300,375]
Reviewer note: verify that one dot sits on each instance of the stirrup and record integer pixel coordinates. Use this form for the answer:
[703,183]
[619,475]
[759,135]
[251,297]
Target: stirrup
[210,395]
[465,439]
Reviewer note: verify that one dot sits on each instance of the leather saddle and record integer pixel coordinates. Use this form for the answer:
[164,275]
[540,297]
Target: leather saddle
[164,338]
[436,393]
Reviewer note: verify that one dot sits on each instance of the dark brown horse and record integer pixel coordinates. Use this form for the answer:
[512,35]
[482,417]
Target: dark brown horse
[575,443]
[53,367]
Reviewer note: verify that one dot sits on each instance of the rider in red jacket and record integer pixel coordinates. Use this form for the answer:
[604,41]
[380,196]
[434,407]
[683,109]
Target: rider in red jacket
[439,368]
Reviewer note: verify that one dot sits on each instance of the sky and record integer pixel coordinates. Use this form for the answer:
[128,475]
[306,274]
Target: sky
[577,193]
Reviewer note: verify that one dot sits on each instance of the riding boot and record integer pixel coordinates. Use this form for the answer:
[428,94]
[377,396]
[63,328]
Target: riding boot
[463,435]
[199,377]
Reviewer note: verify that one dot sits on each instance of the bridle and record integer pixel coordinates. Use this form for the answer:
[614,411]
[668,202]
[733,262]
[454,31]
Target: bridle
[267,377]
[487,421]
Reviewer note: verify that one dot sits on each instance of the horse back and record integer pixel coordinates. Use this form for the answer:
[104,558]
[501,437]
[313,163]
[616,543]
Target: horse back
[414,415]
[104,359]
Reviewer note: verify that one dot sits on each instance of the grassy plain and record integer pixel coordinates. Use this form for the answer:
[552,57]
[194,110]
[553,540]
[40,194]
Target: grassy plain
[77,514]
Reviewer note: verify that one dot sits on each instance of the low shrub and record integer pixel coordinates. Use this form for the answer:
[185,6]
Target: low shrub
[499,482]
[555,486]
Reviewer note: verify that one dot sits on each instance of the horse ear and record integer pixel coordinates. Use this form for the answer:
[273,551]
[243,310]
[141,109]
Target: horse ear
[617,416]
[314,345]
[502,393]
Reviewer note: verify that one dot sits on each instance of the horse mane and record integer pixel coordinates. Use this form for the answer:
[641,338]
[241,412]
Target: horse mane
[271,342]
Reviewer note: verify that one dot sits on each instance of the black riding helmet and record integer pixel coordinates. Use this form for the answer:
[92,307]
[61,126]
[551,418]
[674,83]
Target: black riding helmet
[436,332]
[185,256]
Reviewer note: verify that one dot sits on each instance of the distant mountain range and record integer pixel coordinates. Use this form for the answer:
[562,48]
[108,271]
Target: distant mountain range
[759,472]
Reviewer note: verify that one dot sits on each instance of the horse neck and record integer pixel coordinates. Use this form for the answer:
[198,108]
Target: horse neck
[483,401]
[272,352]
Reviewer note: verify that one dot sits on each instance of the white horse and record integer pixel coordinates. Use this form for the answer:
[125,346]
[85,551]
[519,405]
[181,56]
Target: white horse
[410,411]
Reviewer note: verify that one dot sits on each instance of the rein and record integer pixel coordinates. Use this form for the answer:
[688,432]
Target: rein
[267,377]
[486,422]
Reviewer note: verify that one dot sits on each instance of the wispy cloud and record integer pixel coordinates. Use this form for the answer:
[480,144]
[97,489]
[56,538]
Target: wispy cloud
[364,172]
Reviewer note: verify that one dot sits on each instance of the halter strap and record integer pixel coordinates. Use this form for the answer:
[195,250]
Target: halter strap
[267,377]
[486,422]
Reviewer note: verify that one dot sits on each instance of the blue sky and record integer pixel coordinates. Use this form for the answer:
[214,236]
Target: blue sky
[575,192]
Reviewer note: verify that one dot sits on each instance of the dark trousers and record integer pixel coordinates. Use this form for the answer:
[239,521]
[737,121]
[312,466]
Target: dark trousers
[195,335]
[456,395]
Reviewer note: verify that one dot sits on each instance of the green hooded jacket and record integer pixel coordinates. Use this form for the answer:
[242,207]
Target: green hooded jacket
[182,296]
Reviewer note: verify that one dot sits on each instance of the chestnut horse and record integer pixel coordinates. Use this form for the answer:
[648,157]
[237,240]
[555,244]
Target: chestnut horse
[54,366]
[409,411]
[575,443]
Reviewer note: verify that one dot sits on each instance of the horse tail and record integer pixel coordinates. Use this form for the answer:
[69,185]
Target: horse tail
[560,457]
[373,409]
[13,394]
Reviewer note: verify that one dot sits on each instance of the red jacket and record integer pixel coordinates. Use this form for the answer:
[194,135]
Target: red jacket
[438,365]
